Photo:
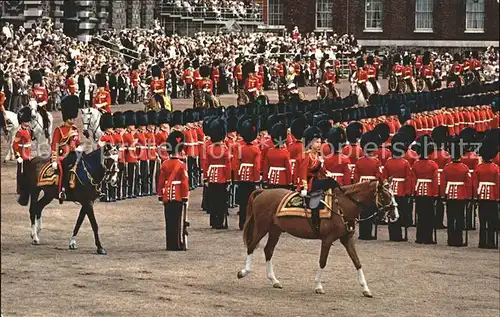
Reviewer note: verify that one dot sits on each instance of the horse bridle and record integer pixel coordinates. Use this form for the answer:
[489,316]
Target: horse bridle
[86,125]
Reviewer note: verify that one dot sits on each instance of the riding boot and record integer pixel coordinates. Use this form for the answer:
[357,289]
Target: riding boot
[316,221]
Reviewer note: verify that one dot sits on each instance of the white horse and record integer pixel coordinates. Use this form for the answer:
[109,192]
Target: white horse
[36,123]
[355,90]
[91,118]
[12,124]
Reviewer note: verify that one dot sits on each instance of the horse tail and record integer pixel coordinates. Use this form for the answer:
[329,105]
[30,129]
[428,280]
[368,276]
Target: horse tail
[250,221]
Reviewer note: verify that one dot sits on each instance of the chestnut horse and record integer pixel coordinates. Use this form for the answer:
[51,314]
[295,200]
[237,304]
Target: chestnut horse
[348,202]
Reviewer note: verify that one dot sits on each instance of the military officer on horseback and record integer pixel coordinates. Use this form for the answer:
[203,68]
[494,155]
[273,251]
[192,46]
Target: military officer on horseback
[102,100]
[22,144]
[205,89]
[65,140]
[360,77]
[371,70]
[108,193]
[157,86]
[40,94]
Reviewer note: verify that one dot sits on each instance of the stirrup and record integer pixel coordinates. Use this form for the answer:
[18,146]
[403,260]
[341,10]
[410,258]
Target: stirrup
[62,196]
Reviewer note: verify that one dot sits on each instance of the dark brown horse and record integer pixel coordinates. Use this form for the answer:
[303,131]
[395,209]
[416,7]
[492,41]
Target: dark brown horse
[91,169]
[347,204]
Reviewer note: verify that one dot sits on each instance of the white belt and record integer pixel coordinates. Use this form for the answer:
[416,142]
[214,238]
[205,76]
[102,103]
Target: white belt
[351,166]
[174,183]
[366,178]
[440,170]
[162,147]
[130,148]
[334,175]
[293,160]
[272,168]
[398,179]
[482,185]
[243,165]
[142,147]
[26,145]
[215,166]
[422,181]
[449,184]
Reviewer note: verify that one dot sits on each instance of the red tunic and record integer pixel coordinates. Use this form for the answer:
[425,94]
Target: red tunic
[217,165]
[141,146]
[129,144]
[22,143]
[134,78]
[367,169]
[371,71]
[161,144]
[337,167]
[400,171]
[41,96]
[361,76]
[296,150]
[103,99]
[64,140]
[118,140]
[215,75]
[329,77]
[485,182]
[383,154]
[411,156]
[71,85]
[173,181]
[457,182]
[205,84]
[398,70]
[442,158]
[276,169]
[310,168]
[425,178]
[157,86]
[151,144]
[471,160]
[248,163]
[106,138]
[238,72]
[187,76]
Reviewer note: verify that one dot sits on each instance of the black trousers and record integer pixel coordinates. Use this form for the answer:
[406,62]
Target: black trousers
[366,227]
[424,208]
[204,200]
[395,228]
[143,183]
[121,183]
[114,93]
[131,180]
[152,177]
[21,179]
[244,191]
[470,216]
[373,81]
[456,222]
[439,214]
[174,226]
[191,166]
[189,89]
[488,223]
[134,94]
[218,206]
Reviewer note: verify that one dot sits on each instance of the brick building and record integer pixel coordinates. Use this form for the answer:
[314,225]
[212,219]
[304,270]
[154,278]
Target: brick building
[437,23]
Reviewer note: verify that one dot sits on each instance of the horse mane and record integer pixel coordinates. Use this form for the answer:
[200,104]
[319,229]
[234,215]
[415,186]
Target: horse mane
[355,188]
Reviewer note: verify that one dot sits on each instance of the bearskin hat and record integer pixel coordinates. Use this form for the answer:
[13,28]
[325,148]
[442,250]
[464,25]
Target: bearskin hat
[100,80]
[248,130]
[155,71]
[457,58]
[24,115]
[36,77]
[232,123]
[248,68]
[369,140]
[196,63]
[490,145]
[383,131]
[237,60]
[141,118]
[278,133]
[106,122]
[205,71]
[188,116]
[135,65]
[152,117]
[426,58]
[325,126]
[423,146]
[206,124]
[119,120]
[104,69]
[399,144]
[161,64]
[404,114]
[298,126]
[218,130]
[176,118]
[397,59]
[70,72]
[130,118]
[310,134]
[216,63]
[360,62]
[69,107]
[468,135]
[354,131]
[336,138]
[440,135]
[175,142]
[370,59]
[187,64]
[231,111]
[409,131]
[163,117]
[406,59]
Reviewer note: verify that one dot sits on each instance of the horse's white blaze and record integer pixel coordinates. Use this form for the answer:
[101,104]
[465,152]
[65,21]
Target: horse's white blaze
[248,266]
[270,272]
[317,279]
[362,280]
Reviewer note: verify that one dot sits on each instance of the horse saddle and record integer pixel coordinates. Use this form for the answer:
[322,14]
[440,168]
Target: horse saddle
[292,205]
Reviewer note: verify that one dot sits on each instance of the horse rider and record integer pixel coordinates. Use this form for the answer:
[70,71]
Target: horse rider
[476,65]
[238,75]
[371,70]
[313,69]
[157,85]
[106,125]
[456,71]
[40,94]
[398,170]
[174,193]
[3,118]
[337,164]
[205,83]
[361,77]
[397,69]
[485,184]
[251,81]
[71,83]
[427,70]
[311,170]
[119,125]
[187,77]
[65,140]
[22,144]
[150,134]
[102,100]
[329,78]
[276,170]
[366,169]
[131,160]
[142,152]
[247,165]
[135,81]
[408,71]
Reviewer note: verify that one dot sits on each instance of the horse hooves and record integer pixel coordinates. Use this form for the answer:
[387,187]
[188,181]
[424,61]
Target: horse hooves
[277,285]
[319,291]
[241,274]
[73,247]
[102,251]
[35,242]
[367,294]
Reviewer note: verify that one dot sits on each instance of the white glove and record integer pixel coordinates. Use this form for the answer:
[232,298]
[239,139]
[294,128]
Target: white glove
[79,149]
[19,160]
[303,193]
[54,165]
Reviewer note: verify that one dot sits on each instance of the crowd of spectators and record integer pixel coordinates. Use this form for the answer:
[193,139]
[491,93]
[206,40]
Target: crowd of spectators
[216,9]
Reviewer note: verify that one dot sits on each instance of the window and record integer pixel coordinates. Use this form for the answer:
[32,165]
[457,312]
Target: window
[373,14]
[423,15]
[474,16]
[275,12]
[324,15]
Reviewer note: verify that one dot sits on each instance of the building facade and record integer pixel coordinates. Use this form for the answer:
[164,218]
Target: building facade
[438,23]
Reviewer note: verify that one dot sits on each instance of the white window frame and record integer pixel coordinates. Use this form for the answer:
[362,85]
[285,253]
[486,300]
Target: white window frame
[368,10]
[474,9]
[424,13]
[275,8]
[325,9]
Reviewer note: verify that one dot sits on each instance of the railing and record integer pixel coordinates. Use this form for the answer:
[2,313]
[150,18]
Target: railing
[199,12]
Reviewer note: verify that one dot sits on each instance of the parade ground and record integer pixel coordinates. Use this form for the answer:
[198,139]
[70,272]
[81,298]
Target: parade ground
[139,278]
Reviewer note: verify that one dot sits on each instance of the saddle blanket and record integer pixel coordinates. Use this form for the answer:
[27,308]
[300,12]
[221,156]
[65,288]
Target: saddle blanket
[292,206]
[47,176]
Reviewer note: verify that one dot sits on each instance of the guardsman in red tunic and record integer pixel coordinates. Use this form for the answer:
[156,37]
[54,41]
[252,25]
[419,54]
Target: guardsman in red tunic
[361,76]
[276,170]
[382,152]
[371,71]
[353,150]
[173,191]
[191,145]
[408,72]
[427,70]
[102,100]
[398,171]
[157,85]
[233,144]
[134,80]
[486,189]
[106,125]
[196,72]
[39,93]
[238,75]
[201,143]
[457,190]
[161,141]
[22,144]
[217,175]
[251,81]
[65,139]
[337,164]
[142,152]
[456,71]
[296,149]
[215,75]
[329,78]
[352,65]
[119,124]
[129,144]
[397,68]
[152,151]
[366,169]
[187,77]
[264,139]
[247,166]
[313,68]
[71,84]
[205,83]
[425,190]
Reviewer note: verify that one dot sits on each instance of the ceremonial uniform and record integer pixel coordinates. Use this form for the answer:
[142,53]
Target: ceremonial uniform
[22,146]
[173,191]
[337,164]
[238,75]
[142,153]
[102,100]
[71,87]
[152,155]
[157,85]
[39,93]
[296,148]
[119,124]
[131,160]
[108,192]
[134,80]
[276,170]
[187,77]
